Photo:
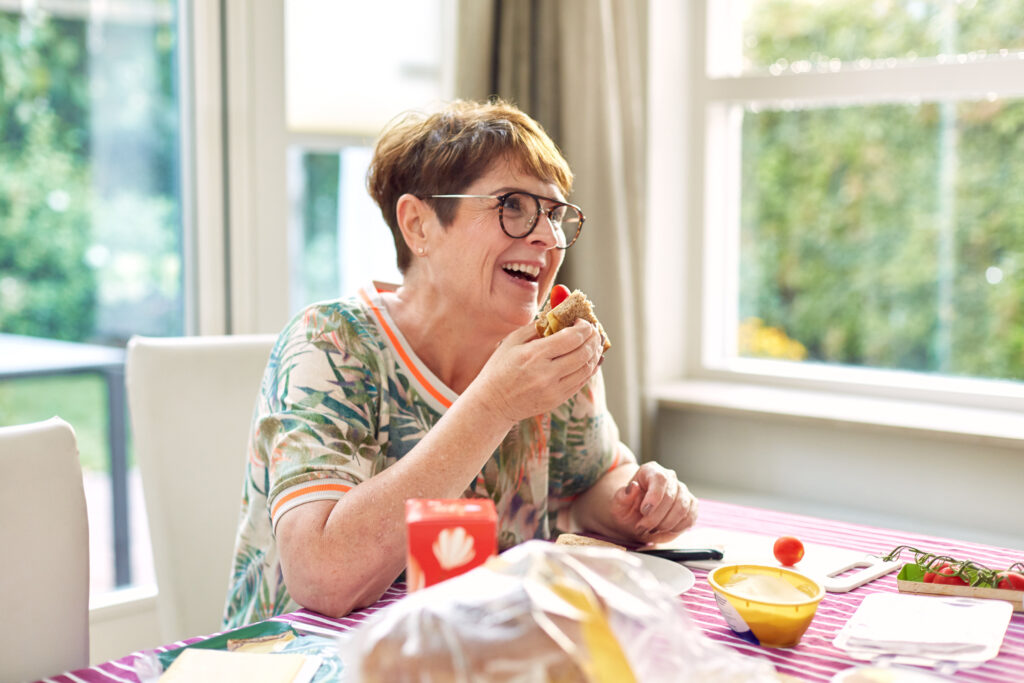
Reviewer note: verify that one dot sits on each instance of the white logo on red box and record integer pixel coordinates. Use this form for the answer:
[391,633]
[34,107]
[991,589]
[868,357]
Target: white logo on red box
[453,548]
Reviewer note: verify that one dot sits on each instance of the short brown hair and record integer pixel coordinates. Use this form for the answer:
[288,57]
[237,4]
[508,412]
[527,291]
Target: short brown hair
[445,152]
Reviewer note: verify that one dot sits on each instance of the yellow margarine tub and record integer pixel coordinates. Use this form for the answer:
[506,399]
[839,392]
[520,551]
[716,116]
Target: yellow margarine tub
[769,606]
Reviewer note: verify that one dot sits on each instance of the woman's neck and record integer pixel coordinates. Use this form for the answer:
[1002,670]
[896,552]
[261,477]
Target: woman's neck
[452,344]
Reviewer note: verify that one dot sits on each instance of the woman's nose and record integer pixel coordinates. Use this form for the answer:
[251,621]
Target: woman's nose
[546,232]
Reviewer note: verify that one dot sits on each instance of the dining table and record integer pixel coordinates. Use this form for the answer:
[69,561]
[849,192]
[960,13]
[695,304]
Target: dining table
[814,658]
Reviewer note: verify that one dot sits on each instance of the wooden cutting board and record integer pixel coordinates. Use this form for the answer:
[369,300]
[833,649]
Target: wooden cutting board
[838,569]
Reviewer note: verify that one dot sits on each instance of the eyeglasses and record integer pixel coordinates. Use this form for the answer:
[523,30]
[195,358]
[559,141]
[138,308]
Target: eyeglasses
[519,211]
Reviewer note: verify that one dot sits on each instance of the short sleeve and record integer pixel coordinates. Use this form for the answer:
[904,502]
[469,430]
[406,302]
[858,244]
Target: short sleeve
[317,432]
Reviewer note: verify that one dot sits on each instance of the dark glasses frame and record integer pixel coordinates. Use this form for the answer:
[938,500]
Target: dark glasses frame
[502,198]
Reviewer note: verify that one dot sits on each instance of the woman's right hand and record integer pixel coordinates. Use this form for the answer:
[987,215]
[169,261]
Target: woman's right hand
[527,375]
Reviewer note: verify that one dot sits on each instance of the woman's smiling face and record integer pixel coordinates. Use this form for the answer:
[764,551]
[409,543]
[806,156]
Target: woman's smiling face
[495,277]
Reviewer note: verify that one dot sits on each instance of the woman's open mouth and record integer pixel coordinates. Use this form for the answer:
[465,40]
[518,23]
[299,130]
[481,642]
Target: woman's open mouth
[522,271]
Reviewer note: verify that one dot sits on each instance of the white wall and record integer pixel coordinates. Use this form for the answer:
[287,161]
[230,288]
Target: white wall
[122,622]
[930,484]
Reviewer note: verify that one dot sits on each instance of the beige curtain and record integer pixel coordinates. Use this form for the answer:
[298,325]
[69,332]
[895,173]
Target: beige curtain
[578,67]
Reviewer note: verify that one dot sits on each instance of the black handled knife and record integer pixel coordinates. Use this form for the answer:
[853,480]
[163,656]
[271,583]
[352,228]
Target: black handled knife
[683,554]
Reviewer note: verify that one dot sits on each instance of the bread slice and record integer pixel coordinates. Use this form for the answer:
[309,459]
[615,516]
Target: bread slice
[575,539]
[575,306]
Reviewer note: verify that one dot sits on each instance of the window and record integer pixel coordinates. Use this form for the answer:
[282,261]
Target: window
[344,240]
[90,229]
[862,215]
[342,88]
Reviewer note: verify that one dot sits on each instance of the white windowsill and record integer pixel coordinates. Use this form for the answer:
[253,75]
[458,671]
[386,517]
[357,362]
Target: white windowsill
[994,427]
[117,603]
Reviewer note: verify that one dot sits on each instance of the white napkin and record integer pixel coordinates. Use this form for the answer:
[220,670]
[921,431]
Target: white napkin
[929,627]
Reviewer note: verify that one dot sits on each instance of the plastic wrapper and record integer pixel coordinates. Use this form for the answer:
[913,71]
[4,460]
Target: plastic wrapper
[543,612]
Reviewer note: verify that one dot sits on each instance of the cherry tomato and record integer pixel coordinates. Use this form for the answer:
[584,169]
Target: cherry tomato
[947,575]
[1012,580]
[559,294]
[788,550]
[929,577]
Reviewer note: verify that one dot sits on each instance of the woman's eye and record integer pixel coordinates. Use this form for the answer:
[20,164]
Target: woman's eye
[514,203]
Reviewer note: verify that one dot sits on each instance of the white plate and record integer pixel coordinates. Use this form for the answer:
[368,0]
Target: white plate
[889,674]
[672,574]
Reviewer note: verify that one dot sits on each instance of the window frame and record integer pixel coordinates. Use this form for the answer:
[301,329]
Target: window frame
[259,248]
[699,126]
[204,184]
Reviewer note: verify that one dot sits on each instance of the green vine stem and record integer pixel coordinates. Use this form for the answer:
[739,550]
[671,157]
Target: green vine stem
[976,575]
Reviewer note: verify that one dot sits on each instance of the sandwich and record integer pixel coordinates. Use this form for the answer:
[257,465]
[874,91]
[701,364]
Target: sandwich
[566,311]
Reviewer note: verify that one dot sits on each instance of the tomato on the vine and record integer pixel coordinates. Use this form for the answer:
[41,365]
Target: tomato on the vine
[951,571]
[947,575]
[559,294]
[788,550]
[1012,580]
[929,577]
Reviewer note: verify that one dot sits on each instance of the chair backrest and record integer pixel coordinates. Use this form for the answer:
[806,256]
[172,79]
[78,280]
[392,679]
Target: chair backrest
[191,401]
[44,534]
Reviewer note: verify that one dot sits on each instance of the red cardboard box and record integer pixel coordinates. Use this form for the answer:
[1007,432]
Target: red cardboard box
[447,538]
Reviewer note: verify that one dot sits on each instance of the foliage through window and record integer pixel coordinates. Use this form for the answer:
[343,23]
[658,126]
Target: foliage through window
[879,232]
[90,212]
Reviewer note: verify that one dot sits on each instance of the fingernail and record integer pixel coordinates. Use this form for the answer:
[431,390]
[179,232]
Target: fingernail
[646,509]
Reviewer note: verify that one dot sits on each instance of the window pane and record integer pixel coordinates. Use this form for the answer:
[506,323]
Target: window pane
[345,242]
[805,35]
[346,75]
[318,213]
[90,218]
[886,236]
[346,81]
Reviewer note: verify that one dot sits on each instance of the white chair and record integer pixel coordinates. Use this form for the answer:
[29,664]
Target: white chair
[44,534]
[191,401]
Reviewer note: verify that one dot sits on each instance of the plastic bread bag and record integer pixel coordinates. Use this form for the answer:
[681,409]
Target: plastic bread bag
[544,612]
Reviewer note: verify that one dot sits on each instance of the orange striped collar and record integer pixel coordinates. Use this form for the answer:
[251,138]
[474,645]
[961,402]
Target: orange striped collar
[432,389]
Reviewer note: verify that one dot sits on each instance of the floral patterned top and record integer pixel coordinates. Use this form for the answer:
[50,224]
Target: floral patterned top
[344,396]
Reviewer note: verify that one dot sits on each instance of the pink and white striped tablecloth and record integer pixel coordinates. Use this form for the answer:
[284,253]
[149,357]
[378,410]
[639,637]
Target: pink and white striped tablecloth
[814,659]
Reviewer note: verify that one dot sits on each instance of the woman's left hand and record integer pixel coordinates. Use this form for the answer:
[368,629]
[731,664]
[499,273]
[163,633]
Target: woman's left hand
[654,506]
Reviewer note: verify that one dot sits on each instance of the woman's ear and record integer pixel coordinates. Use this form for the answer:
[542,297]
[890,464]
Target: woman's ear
[413,214]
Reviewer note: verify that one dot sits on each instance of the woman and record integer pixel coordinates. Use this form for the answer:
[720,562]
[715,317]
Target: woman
[440,387]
